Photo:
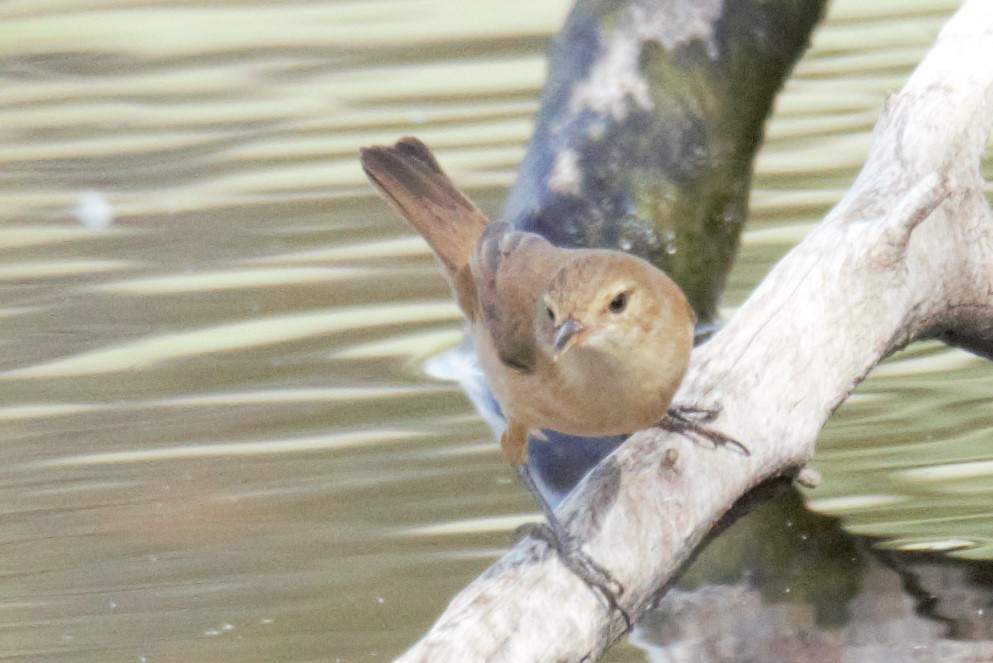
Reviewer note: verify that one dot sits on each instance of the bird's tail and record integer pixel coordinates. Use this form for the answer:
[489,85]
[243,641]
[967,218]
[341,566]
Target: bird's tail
[410,178]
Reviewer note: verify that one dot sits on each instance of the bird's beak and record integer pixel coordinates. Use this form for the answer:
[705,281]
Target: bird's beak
[566,335]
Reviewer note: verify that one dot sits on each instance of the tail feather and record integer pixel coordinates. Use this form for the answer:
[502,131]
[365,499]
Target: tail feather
[410,178]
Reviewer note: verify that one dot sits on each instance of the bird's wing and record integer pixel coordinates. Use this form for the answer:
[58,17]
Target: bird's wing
[512,270]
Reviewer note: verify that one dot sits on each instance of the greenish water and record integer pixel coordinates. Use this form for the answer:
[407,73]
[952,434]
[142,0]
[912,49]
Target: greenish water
[218,441]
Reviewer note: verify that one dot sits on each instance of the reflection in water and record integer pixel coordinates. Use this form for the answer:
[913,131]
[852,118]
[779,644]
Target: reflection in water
[784,584]
[218,441]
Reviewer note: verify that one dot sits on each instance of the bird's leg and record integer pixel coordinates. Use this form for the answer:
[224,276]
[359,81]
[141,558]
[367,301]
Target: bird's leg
[569,549]
[514,444]
[688,420]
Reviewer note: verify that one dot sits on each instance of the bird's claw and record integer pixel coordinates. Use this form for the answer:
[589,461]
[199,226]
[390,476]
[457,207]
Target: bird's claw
[569,549]
[579,563]
[701,415]
[688,421]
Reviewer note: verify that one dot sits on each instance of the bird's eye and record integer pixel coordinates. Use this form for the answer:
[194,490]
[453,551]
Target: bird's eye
[550,312]
[618,303]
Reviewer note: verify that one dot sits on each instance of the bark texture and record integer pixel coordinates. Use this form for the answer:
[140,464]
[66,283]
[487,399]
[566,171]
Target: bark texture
[907,254]
[649,123]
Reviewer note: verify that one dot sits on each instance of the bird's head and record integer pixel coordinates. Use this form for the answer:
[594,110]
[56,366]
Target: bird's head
[606,301]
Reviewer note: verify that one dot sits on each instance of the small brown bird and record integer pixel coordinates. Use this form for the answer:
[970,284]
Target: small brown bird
[589,342]
[583,341]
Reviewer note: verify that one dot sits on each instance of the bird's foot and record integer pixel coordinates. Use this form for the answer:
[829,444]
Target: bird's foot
[581,564]
[570,549]
[700,415]
[689,421]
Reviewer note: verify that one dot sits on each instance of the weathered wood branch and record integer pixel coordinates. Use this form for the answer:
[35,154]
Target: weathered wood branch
[906,255]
